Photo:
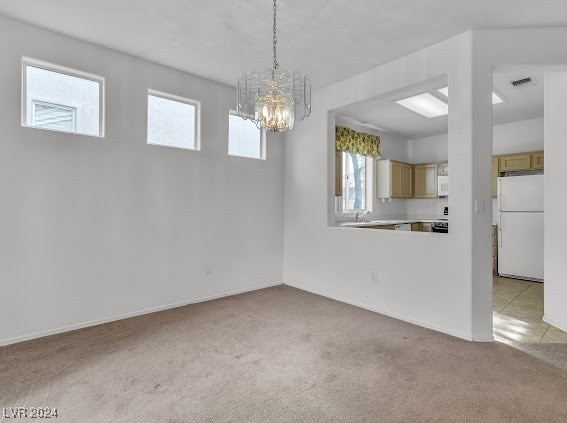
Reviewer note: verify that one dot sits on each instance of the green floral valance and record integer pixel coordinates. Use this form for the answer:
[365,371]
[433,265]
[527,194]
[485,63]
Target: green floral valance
[355,142]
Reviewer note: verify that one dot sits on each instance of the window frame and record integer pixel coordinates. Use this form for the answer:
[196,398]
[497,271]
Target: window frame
[178,99]
[51,67]
[369,163]
[263,137]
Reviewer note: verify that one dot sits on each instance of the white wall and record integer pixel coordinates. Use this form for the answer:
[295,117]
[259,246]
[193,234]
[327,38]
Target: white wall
[518,137]
[514,137]
[92,228]
[336,262]
[555,269]
[429,149]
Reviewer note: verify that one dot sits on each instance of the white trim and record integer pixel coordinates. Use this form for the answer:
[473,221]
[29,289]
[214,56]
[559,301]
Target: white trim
[28,61]
[482,338]
[179,99]
[263,137]
[421,323]
[554,323]
[4,342]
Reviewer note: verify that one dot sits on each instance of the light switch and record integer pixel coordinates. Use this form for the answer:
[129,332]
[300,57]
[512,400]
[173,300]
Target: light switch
[479,206]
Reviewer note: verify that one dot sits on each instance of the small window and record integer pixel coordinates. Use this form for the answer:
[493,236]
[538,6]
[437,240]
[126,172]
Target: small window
[354,182]
[61,99]
[173,121]
[244,138]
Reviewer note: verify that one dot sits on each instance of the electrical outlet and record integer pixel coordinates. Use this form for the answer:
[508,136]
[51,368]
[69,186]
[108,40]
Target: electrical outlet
[374,277]
[209,270]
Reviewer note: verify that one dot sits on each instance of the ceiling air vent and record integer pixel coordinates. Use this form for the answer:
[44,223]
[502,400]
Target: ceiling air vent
[524,82]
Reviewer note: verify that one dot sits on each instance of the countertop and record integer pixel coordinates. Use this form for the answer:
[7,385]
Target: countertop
[385,222]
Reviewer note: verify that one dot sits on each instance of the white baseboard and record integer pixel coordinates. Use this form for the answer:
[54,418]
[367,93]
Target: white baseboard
[553,323]
[466,337]
[82,325]
[482,338]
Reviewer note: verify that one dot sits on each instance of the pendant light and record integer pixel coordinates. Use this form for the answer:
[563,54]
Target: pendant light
[274,99]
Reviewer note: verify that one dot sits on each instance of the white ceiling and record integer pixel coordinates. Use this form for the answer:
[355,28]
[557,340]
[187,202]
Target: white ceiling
[519,104]
[328,39]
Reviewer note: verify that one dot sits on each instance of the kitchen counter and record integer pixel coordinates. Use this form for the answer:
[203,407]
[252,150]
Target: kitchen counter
[384,222]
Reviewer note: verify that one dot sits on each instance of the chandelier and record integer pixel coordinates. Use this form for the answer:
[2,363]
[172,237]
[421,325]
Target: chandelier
[275,98]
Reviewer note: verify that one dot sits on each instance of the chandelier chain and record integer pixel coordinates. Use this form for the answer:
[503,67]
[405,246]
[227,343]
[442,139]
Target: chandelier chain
[275,39]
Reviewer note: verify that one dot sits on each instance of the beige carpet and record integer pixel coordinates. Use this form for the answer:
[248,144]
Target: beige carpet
[277,355]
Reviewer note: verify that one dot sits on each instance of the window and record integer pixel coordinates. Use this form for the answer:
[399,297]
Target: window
[61,99]
[354,182]
[173,121]
[244,138]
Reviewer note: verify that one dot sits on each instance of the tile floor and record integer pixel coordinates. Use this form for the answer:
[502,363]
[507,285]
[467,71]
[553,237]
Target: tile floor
[518,312]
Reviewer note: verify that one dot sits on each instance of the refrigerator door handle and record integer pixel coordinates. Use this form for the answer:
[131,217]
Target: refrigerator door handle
[499,204]
[500,229]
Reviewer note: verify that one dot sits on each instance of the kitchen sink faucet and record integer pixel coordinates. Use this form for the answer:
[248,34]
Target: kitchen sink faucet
[359,216]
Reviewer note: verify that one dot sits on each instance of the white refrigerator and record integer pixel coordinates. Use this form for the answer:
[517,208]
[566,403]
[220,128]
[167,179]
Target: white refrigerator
[520,227]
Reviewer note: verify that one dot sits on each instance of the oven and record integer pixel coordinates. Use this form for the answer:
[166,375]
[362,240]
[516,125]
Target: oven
[441,225]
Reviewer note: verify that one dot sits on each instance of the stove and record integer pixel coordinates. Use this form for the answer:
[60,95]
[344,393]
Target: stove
[442,225]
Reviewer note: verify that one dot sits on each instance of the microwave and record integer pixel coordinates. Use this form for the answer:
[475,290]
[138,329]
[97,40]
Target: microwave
[442,186]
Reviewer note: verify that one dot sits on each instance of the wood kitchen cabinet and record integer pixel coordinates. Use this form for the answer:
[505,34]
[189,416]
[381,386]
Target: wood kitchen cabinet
[537,160]
[495,173]
[426,227]
[515,162]
[407,180]
[425,181]
[394,179]
[396,175]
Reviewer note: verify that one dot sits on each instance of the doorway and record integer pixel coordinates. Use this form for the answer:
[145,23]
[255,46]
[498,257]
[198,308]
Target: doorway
[518,222]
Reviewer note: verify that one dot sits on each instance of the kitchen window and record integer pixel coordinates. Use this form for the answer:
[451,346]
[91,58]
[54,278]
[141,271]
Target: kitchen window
[245,139]
[354,182]
[173,121]
[61,99]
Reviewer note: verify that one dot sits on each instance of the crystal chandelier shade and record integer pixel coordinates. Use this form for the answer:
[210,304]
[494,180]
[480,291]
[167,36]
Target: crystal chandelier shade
[275,98]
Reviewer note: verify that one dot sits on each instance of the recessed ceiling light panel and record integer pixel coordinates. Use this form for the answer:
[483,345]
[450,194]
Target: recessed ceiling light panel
[496,99]
[426,105]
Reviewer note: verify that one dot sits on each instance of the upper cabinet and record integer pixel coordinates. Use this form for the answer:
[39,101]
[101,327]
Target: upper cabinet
[393,179]
[495,173]
[407,180]
[425,181]
[396,175]
[515,162]
[537,160]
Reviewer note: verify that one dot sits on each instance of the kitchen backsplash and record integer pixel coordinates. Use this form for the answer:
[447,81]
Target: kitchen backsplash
[426,207]
[402,209]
